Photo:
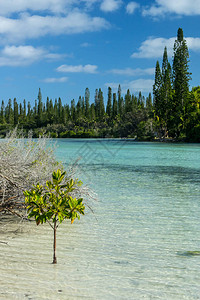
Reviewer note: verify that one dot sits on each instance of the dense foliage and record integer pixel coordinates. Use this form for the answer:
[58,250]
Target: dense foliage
[121,117]
[172,113]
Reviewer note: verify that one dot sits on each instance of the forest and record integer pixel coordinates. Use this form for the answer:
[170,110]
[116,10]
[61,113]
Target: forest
[171,113]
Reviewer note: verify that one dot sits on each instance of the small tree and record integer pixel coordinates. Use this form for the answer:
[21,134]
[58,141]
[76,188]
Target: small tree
[54,203]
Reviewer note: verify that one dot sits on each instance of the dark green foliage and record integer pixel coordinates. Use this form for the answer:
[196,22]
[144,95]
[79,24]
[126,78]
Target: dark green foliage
[175,108]
[109,103]
[15,112]
[181,78]
[87,103]
[162,90]
[114,110]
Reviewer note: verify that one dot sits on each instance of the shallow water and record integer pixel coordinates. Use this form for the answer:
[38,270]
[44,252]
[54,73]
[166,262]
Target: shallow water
[134,246]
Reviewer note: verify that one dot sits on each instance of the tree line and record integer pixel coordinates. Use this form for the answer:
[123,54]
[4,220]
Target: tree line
[172,112]
[120,117]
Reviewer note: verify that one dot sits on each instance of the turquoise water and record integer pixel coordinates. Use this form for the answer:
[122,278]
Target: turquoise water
[134,246]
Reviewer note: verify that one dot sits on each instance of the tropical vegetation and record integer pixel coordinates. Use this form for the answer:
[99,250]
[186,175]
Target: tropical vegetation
[171,112]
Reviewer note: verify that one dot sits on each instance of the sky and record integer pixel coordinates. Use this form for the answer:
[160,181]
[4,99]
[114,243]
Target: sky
[65,46]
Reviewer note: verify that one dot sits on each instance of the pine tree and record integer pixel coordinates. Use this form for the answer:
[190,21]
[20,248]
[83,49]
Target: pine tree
[92,112]
[114,111]
[29,109]
[39,107]
[87,103]
[24,109]
[73,110]
[79,108]
[120,102]
[109,103]
[15,105]
[96,103]
[181,78]
[2,114]
[9,112]
[59,110]
[101,104]
[128,106]
[35,109]
[50,112]
[134,103]
[165,95]
[149,104]
[157,88]
[55,111]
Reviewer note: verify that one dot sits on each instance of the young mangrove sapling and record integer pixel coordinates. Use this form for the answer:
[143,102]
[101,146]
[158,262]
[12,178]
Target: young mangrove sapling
[54,203]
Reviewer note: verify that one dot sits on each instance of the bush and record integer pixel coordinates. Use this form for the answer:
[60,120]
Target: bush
[22,163]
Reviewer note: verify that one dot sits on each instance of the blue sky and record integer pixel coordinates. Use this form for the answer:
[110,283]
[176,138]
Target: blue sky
[64,46]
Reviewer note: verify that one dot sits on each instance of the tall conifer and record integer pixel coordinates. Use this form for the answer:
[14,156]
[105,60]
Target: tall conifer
[181,78]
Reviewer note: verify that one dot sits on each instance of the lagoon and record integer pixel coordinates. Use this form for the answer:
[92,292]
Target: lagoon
[134,246]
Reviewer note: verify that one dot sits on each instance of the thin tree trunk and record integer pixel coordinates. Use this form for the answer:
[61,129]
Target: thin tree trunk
[54,245]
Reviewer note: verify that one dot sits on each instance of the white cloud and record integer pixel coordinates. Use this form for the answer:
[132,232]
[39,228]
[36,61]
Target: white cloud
[85,45]
[110,5]
[56,56]
[10,7]
[24,55]
[154,47]
[21,55]
[193,44]
[143,85]
[179,7]
[27,26]
[92,69]
[131,7]
[55,80]
[14,6]
[133,72]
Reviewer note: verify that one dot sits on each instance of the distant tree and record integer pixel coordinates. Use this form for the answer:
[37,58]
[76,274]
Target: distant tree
[87,103]
[24,109]
[128,106]
[92,112]
[39,107]
[134,103]
[60,110]
[140,99]
[73,110]
[55,112]
[35,109]
[149,104]
[79,108]
[29,109]
[181,78]
[109,102]
[9,113]
[50,111]
[157,87]
[163,95]
[2,113]
[114,111]
[120,101]
[101,104]
[96,103]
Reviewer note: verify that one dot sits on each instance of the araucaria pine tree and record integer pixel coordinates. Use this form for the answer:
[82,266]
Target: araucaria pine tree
[181,78]
[171,90]
[157,95]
